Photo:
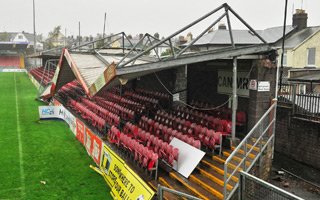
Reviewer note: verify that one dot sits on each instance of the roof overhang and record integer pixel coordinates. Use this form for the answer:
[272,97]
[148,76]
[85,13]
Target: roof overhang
[94,73]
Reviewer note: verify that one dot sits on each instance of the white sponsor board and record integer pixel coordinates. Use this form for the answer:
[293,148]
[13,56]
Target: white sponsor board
[186,163]
[13,70]
[225,80]
[48,112]
[70,119]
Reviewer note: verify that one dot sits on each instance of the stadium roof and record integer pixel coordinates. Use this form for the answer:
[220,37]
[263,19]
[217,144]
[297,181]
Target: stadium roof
[242,37]
[98,68]
[96,71]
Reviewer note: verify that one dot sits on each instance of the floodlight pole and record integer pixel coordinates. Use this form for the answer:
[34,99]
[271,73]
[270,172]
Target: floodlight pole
[104,25]
[34,28]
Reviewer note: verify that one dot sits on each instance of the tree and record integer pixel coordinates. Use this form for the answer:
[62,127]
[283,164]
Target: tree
[4,37]
[53,37]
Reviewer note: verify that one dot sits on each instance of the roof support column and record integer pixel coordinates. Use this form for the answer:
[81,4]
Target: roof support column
[234,98]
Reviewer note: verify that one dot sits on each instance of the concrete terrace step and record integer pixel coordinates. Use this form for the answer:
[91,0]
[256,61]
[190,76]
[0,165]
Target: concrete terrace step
[192,187]
[213,178]
[204,183]
[236,158]
[223,160]
[217,169]
[251,155]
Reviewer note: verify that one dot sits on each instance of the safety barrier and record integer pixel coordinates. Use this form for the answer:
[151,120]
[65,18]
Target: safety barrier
[256,141]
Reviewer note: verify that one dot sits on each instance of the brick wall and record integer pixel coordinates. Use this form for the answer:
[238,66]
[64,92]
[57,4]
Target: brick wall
[297,139]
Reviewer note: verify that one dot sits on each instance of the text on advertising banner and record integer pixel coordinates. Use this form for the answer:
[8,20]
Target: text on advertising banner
[97,148]
[89,141]
[80,131]
[125,183]
[48,112]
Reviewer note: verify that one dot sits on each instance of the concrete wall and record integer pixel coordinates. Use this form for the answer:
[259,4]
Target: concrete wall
[297,139]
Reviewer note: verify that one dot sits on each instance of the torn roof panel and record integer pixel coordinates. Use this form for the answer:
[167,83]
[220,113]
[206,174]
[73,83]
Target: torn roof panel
[89,66]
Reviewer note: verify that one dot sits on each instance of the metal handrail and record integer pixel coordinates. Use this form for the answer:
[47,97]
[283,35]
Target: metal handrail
[161,189]
[244,142]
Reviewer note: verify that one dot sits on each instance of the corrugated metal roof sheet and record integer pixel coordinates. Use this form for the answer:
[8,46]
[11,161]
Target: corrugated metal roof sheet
[90,67]
[220,37]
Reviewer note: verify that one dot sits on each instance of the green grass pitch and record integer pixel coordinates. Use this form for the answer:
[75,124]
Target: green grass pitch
[32,151]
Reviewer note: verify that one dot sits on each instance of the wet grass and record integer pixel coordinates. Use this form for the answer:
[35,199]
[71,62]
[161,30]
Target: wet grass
[31,152]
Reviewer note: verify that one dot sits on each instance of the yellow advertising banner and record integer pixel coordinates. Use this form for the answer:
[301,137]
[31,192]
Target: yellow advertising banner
[125,184]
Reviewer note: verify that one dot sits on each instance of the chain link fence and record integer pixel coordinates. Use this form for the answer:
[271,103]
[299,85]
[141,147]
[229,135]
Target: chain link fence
[253,188]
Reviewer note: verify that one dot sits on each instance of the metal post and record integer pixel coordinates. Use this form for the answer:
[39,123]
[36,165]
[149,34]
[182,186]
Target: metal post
[294,92]
[79,33]
[122,43]
[234,98]
[160,192]
[65,37]
[283,40]
[240,187]
[34,28]
[104,25]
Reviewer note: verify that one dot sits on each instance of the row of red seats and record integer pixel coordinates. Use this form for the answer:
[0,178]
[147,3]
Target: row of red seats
[165,151]
[211,122]
[222,113]
[164,99]
[147,101]
[109,116]
[88,115]
[154,94]
[42,75]
[208,137]
[168,133]
[146,157]
[125,102]
[125,113]
[9,61]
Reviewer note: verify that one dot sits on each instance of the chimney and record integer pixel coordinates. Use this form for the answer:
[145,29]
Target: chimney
[222,26]
[299,19]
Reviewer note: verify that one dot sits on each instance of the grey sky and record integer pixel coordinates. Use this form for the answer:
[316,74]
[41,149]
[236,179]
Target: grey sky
[141,16]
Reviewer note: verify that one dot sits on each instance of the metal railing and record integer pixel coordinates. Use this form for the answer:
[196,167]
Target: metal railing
[162,189]
[253,145]
[252,188]
[308,105]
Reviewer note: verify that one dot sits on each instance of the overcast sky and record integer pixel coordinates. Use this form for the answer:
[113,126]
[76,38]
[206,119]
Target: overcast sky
[142,16]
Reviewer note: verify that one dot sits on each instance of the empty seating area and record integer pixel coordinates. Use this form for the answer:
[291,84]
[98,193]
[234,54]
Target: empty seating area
[142,155]
[141,124]
[42,75]
[9,61]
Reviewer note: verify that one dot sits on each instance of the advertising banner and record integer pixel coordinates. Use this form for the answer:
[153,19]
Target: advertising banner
[124,182]
[48,112]
[97,148]
[13,70]
[89,141]
[71,120]
[80,135]
[225,80]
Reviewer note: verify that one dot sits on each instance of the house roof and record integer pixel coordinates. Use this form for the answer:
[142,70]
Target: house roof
[242,37]
[12,35]
[299,37]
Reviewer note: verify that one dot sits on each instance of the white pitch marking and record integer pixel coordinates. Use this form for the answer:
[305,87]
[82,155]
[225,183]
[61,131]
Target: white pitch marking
[22,176]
